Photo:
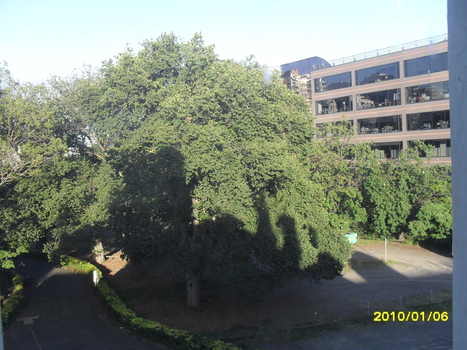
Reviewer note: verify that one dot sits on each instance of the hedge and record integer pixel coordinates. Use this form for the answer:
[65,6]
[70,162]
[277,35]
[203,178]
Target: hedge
[173,338]
[13,302]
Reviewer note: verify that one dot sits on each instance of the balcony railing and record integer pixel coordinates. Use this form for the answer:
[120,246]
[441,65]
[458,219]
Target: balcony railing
[391,49]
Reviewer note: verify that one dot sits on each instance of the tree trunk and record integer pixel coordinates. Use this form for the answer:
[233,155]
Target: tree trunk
[192,289]
[99,251]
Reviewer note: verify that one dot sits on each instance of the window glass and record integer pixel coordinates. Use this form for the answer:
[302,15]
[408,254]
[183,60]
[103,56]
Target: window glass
[377,74]
[377,99]
[428,120]
[427,64]
[379,125]
[333,82]
[428,92]
[438,63]
[335,105]
[324,129]
[441,148]
[387,150]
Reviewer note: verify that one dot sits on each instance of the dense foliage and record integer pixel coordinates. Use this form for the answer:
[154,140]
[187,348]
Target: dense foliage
[204,164]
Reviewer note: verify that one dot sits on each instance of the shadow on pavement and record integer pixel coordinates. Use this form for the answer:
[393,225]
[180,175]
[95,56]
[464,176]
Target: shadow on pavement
[61,312]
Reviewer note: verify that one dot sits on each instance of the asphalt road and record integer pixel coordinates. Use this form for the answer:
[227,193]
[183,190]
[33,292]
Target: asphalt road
[62,313]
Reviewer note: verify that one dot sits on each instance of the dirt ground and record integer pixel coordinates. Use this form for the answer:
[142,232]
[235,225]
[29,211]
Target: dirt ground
[412,274]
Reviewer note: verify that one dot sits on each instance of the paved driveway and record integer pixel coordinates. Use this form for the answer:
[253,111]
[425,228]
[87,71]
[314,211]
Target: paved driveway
[62,313]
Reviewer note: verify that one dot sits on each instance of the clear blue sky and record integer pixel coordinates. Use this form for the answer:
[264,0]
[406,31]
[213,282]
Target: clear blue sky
[44,37]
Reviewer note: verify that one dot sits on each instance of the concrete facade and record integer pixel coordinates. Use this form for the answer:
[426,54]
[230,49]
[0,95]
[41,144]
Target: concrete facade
[457,26]
[389,122]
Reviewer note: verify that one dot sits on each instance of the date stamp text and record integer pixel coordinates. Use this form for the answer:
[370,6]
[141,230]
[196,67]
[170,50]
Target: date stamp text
[414,316]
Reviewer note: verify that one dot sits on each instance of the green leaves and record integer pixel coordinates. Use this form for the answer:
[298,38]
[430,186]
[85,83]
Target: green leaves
[27,130]
[63,204]
[202,163]
[399,197]
[433,220]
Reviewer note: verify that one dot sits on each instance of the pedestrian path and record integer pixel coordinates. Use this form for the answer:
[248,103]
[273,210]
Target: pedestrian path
[62,313]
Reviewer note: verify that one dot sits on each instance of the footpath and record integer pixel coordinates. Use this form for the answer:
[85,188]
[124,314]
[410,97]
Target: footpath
[61,313]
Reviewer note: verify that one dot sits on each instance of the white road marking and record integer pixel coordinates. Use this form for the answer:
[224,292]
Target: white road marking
[28,320]
[37,341]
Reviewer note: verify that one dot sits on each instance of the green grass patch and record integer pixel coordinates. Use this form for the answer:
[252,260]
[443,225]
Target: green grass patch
[277,335]
[372,241]
[80,266]
[130,294]
[367,241]
[249,338]
[428,298]
[441,306]
[173,291]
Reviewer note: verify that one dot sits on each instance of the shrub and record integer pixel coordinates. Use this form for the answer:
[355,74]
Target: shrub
[13,302]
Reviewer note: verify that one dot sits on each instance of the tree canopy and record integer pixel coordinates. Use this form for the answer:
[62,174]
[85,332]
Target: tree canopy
[204,164]
[223,151]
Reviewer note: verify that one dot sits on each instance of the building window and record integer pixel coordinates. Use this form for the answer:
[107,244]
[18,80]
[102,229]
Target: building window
[377,74]
[333,128]
[428,120]
[426,64]
[428,92]
[440,148]
[379,99]
[379,125]
[387,150]
[335,105]
[333,82]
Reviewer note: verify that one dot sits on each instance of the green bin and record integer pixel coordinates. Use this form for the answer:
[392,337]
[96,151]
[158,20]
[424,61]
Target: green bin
[351,237]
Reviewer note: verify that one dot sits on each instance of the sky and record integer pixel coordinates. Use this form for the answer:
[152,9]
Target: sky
[40,38]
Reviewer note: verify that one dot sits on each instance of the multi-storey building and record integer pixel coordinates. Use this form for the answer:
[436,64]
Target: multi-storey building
[390,97]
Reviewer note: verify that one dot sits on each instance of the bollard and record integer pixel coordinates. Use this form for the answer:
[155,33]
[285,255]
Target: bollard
[385,250]
[95,278]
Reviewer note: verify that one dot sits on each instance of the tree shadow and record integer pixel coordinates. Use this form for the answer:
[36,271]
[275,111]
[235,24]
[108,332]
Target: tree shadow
[158,217]
[439,246]
[220,251]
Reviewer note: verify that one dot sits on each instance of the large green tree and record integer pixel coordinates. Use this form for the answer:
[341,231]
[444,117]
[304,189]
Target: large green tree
[215,174]
[405,198]
[333,160]
[64,204]
[55,186]
[203,163]
[400,198]
[27,128]
[28,141]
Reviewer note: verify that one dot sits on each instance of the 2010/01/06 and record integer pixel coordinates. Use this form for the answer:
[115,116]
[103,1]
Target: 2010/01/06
[414,316]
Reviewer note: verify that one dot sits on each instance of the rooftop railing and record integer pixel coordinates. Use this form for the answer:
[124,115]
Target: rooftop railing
[391,49]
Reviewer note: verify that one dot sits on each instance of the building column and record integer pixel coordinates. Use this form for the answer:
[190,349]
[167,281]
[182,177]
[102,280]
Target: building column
[457,56]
